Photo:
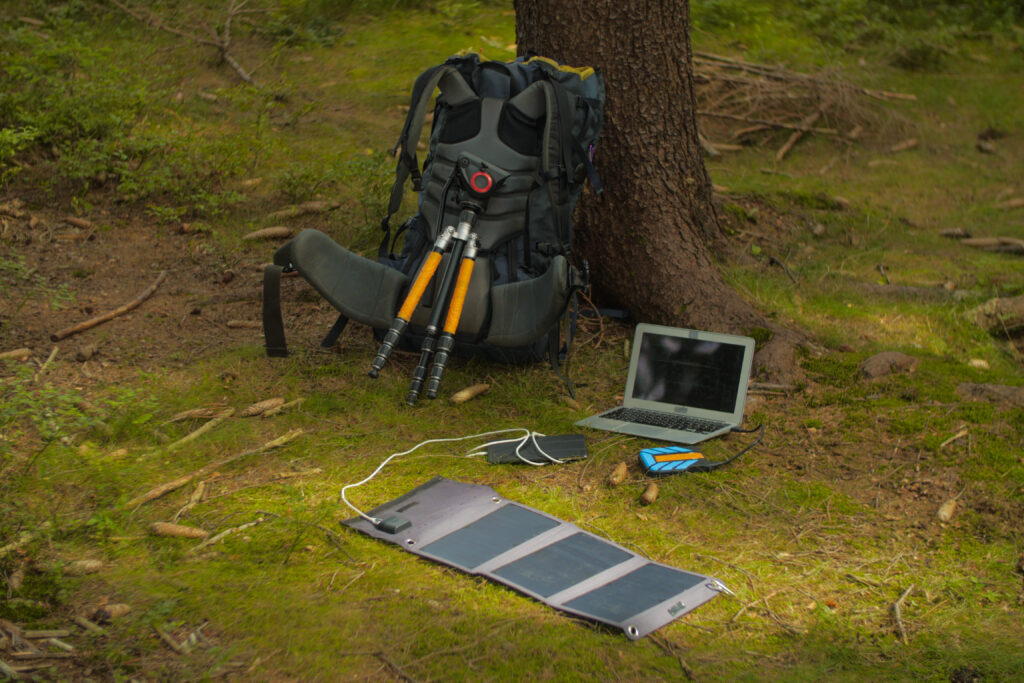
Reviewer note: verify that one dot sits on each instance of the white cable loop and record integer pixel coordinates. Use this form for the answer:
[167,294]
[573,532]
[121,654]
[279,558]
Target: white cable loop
[528,436]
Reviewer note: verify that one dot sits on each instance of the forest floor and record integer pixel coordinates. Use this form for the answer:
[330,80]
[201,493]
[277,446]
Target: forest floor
[874,531]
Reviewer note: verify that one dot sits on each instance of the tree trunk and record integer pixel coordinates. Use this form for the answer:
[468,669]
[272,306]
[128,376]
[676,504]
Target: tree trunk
[648,237]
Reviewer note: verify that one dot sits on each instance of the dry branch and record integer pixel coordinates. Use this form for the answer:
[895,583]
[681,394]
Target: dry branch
[88,625]
[219,40]
[227,532]
[271,233]
[89,324]
[805,125]
[170,641]
[192,436]
[262,406]
[196,414]
[1009,245]
[25,538]
[771,124]
[6,670]
[897,614]
[177,530]
[166,488]
[16,354]
[772,97]
[46,365]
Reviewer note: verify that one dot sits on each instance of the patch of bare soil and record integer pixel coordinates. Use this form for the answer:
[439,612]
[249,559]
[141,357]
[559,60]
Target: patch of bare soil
[64,270]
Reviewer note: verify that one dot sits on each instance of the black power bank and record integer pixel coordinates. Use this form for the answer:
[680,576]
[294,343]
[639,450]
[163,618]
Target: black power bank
[562,447]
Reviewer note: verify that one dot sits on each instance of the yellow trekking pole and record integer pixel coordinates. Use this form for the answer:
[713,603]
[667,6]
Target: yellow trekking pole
[412,299]
[446,342]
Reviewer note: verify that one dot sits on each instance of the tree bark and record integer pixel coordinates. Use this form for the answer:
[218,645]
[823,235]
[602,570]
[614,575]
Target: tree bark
[648,238]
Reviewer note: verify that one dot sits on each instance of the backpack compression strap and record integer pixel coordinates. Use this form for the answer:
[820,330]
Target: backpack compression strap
[456,91]
[549,99]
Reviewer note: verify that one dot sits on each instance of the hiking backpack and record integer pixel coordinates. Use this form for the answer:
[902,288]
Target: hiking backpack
[511,145]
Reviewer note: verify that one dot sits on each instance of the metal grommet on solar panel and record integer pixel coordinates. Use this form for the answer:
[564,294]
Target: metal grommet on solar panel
[632,631]
[409,541]
[495,500]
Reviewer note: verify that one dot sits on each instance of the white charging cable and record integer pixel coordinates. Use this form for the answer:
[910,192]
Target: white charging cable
[528,437]
[531,438]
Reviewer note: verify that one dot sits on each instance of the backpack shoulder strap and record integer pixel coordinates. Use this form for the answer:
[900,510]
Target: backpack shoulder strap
[456,91]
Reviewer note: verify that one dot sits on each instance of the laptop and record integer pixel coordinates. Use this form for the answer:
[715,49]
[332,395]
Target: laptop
[685,386]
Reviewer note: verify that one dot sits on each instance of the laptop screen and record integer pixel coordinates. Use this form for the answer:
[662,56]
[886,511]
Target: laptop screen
[691,372]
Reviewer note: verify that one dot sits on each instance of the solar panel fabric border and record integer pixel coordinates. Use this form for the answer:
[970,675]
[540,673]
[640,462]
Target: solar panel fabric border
[472,528]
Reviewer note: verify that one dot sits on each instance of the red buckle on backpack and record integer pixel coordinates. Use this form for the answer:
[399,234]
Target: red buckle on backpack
[485,186]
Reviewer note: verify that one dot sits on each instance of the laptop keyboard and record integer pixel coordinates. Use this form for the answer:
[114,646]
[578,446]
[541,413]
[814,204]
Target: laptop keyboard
[668,420]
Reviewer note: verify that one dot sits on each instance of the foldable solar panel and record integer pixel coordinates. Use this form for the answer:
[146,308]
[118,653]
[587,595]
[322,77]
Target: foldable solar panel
[472,528]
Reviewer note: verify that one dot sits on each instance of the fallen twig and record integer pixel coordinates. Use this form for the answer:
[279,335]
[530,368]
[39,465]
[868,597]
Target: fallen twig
[170,641]
[47,633]
[17,354]
[46,364]
[25,538]
[227,532]
[959,435]
[193,500]
[673,650]
[768,388]
[898,616]
[772,260]
[177,530]
[88,625]
[262,406]
[272,233]
[805,126]
[276,410]
[772,124]
[196,414]
[192,436]
[89,324]
[221,41]
[6,670]
[163,489]
[1009,245]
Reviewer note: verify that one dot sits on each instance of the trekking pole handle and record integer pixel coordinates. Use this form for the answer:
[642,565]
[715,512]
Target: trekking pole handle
[398,325]
[446,342]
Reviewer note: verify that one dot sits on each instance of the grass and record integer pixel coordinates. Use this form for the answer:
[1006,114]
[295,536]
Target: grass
[818,531]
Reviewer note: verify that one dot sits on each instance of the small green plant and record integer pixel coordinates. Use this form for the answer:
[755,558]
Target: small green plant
[15,274]
[67,96]
[302,182]
[12,141]
[31,409]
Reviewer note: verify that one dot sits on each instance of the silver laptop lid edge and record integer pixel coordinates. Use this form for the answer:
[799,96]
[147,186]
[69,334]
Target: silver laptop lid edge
[735,417]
